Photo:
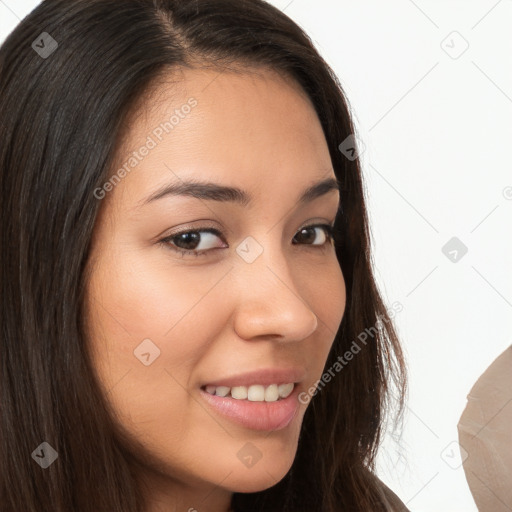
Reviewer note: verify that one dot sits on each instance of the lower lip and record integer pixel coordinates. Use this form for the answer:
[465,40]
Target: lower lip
[257,415]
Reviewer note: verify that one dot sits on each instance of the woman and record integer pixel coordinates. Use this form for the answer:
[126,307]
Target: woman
[136,375]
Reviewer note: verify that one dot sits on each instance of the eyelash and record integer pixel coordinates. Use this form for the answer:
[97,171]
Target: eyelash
[328,228]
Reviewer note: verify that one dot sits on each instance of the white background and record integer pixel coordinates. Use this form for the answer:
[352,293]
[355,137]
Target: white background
[437,132]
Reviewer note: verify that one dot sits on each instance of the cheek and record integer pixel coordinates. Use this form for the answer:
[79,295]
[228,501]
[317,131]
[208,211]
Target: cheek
[150,325]
[329,295]
[334,296]
[327,288]
[142,298]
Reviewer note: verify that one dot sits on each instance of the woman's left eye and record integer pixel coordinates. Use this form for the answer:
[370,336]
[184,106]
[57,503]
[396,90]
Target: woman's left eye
[308,233]
[192,241]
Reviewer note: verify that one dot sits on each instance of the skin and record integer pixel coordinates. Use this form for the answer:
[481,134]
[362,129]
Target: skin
[214,315]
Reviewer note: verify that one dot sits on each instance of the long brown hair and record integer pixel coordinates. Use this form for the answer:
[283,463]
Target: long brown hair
[62,113]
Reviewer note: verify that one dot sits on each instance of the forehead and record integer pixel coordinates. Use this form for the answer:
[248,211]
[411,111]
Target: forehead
[254,129]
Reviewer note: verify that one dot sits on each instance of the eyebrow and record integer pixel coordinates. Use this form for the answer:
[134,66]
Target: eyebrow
[214,192]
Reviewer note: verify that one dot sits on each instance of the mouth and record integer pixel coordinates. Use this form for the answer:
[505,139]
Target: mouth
[252,393]
[254,407]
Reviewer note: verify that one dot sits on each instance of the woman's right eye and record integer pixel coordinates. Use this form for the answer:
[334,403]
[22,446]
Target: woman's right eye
[193,241]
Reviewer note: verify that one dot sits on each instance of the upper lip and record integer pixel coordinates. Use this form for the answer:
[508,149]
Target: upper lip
[265,377]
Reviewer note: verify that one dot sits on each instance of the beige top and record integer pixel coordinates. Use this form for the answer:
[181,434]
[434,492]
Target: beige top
[485,437]
[392,501]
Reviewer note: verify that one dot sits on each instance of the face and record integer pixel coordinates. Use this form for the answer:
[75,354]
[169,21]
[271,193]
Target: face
[250,309]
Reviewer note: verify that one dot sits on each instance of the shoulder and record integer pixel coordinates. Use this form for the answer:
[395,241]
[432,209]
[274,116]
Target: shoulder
[394,503]
[391,501]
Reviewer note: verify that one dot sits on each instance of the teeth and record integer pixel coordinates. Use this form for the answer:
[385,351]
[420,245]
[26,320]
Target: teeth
[285,389]
[239,392]
[254,393]
[222,391]
[271,393]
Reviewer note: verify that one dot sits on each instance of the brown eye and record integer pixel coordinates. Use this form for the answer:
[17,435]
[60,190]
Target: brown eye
[309,234]
[187,240]
[195,242]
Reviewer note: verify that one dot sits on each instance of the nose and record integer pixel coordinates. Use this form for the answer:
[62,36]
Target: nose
[269,304]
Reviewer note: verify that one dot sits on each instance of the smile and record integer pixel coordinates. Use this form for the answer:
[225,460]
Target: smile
[253,393]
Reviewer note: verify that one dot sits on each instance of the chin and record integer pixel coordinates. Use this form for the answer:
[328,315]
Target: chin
[260,477]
